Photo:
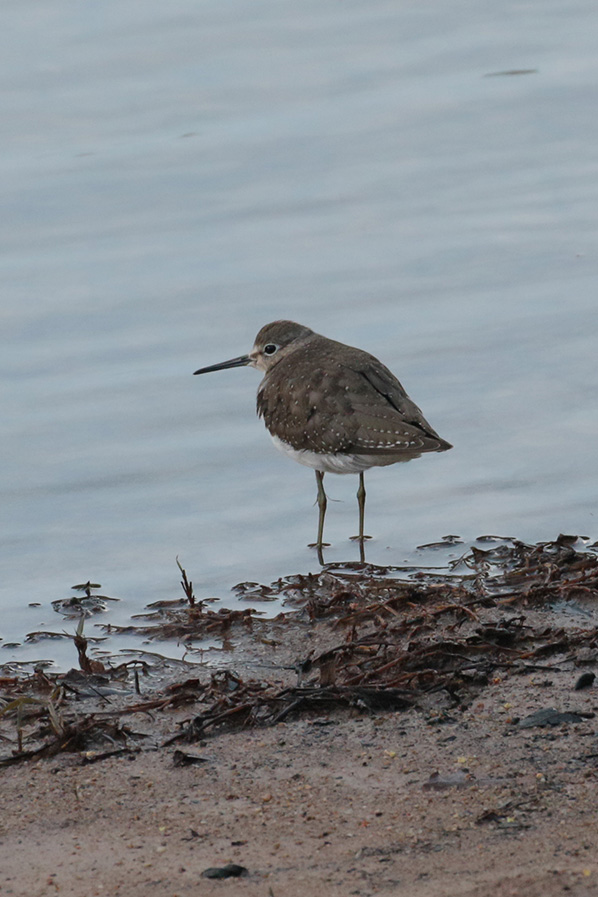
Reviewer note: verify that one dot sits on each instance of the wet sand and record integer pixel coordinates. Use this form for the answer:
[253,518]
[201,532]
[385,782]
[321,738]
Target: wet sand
[468,791]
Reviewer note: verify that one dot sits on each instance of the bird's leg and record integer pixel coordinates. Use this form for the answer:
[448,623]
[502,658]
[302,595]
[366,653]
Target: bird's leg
[361,502]
[322,502]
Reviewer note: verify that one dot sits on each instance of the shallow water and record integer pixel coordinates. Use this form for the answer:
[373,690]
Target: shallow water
[176,176]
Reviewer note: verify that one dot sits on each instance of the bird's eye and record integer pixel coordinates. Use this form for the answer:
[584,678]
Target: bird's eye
[270,349]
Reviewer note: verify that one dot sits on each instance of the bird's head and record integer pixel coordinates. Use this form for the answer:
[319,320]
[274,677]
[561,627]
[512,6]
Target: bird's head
[272,342]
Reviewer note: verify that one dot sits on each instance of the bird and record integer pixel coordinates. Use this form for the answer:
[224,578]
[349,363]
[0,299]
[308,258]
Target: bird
[334,408]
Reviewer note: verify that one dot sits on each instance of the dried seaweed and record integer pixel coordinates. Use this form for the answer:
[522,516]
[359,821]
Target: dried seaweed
[386,638]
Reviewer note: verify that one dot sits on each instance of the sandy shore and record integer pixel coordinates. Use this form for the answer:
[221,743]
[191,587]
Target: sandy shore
[454,796]
[340,808]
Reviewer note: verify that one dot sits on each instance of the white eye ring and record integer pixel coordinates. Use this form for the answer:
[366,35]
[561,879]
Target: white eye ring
[270,349]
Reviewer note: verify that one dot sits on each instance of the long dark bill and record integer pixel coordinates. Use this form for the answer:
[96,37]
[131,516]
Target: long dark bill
[239,362]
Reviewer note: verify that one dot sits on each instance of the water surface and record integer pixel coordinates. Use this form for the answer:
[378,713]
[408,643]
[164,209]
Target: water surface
[177,176]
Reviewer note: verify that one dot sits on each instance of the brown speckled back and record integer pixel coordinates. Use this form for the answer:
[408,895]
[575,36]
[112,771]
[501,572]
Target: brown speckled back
[323,396]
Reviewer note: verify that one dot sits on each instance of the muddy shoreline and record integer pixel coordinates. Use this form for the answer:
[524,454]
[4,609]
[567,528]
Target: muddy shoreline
[425,735]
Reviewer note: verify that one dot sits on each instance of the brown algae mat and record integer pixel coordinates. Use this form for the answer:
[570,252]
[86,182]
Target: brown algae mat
[429,733]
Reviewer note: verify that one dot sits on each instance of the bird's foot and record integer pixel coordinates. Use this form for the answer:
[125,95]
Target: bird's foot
[359,538]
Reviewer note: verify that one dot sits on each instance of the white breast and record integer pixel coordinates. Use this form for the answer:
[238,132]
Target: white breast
[329,463]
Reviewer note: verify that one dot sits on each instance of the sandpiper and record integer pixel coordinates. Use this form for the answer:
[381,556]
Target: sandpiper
[333,408]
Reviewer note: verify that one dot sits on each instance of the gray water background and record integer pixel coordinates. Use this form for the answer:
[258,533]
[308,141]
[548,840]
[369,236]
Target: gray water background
[176,175]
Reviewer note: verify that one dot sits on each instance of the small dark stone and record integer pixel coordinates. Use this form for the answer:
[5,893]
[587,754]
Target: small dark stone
[550,717]
[231,870]
[584,681]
